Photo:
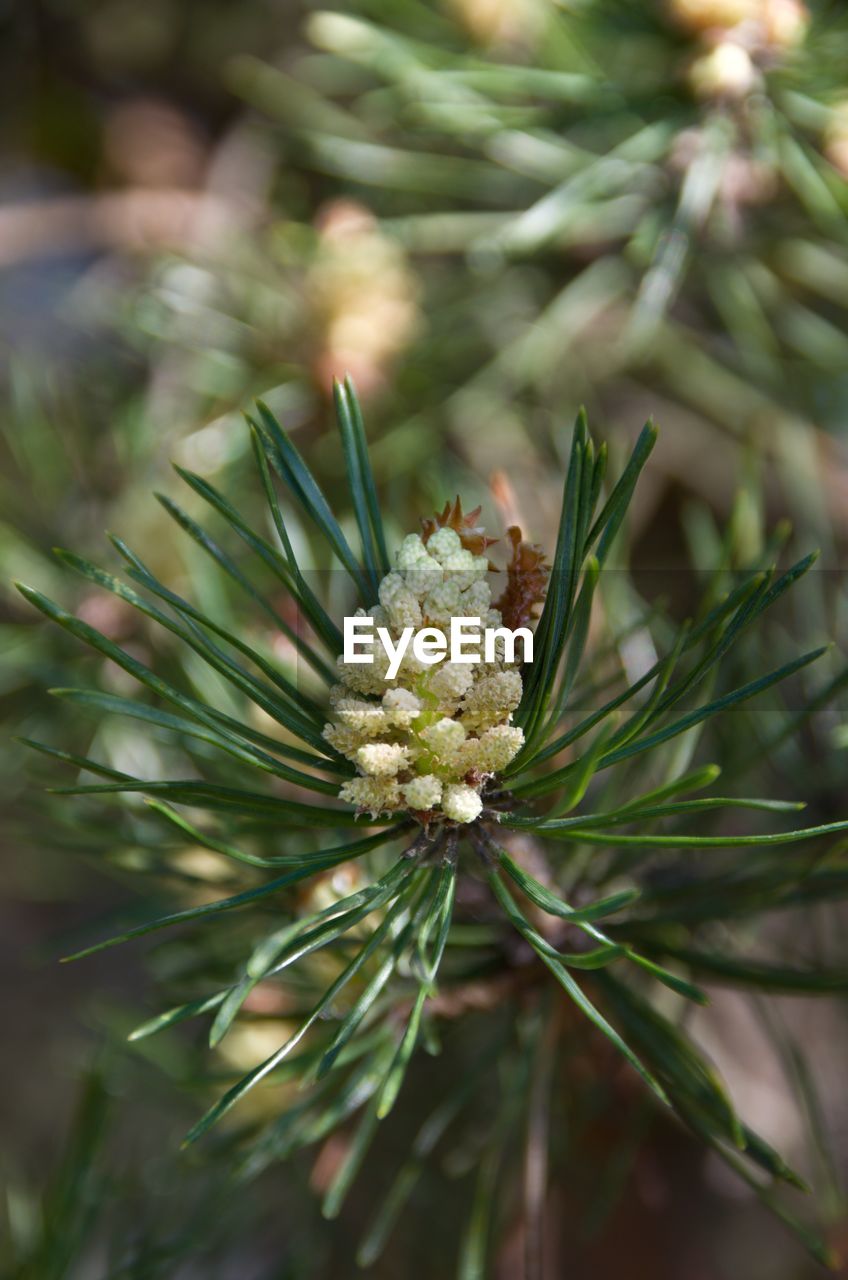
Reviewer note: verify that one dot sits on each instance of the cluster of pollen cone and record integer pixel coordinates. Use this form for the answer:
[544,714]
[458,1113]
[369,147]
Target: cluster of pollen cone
[428,741]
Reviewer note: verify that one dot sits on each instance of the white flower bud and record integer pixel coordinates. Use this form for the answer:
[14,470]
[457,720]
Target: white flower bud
[399,602]
[377,795]
[476,599]
[444,738]
[423,793]
[440,604]
[460,568]
[461,803]
[451,681]
[421,572]
[365,677]
[356,713]
[382,759]
[411,552]
[377,612]
[343,739]
[424,579]
[727,71]
[786,22]
[443,543]
[492,699]
[401,707]
[493,750]
[382,726]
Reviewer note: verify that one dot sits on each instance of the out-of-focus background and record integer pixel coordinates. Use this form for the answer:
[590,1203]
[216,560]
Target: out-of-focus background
[488,212]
